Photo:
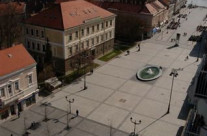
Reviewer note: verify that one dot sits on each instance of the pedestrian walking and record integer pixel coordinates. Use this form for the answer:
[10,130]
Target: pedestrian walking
[128,52]
[18,114]
[186,58]
[138,46]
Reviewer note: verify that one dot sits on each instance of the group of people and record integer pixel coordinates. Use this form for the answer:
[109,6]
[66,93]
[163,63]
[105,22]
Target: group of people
[138,46]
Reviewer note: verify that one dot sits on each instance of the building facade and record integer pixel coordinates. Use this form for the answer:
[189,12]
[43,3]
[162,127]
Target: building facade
[150,14]
[197,96]
[179,4]
[18,81]
[70,27]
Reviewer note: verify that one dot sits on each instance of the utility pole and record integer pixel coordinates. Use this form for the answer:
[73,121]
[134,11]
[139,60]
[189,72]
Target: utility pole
[69,112]
[135,123]
[174,74]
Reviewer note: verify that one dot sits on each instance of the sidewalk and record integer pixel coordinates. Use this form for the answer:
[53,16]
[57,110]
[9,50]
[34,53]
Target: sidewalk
[56,124]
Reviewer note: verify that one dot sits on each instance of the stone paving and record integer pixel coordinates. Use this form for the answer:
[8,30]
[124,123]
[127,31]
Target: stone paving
[114,94]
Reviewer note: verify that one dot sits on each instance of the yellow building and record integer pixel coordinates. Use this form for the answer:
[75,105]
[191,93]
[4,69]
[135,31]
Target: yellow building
[70,27]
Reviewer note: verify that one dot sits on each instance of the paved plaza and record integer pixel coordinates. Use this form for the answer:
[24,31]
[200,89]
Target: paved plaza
[114,94]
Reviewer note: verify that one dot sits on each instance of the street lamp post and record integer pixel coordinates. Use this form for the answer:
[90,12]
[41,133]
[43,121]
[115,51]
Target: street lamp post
[69,112]
[84,86]
[135,123]
[46,104]
[174,74]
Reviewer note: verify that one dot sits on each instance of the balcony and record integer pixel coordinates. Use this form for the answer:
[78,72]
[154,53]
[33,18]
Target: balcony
[193,124]
[201,87]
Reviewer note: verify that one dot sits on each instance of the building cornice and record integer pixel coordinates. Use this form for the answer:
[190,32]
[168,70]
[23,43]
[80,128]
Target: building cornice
[18,71]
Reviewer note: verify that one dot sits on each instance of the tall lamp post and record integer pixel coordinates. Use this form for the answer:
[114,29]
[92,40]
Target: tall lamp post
[174,74]
[135,123]
[84,58]
[69,112]
[85,87]
[46,118]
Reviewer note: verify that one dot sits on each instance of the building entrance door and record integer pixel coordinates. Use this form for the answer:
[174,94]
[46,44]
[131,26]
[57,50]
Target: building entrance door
[19,107]
[12,109]
[93,52]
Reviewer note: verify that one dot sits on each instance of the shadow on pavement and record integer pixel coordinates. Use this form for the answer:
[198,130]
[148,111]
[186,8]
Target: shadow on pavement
[184,109]
[171,47]
[199,47]
[180,130]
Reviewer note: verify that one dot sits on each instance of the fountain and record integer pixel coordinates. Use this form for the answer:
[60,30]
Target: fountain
[149,73]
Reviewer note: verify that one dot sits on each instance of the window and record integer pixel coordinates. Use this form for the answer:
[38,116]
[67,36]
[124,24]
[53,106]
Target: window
[43,48]
[38,46]
[76,48]
[97,39]
[2,92]
[42,33]
[82,32]
[10,90]
[106,36]
[76,34]
[106,23]
[37,33]
[102,25]
[102,37]
[27,31]
[87,30]
[16,85]
[33,45]
[28,44]
[98,27]
[92,29]
[70,37]
[92,41]
[32,32]
[110,34]
[82,45]
[110,22]
[30,79]
[87,43]
[70,50]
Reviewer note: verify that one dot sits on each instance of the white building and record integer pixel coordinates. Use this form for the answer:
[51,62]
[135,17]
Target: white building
[18,81]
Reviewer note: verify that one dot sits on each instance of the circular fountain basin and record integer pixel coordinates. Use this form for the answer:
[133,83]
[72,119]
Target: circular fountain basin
[149,73]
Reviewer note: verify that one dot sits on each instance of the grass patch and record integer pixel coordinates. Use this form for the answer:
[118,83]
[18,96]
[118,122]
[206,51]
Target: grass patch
[44,92]
[110,55]
[76,74]
[119,47]
[123,46]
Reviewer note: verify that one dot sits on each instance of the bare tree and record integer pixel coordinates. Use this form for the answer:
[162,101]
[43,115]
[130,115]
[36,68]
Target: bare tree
[81,59]
[128,31]
[10,28]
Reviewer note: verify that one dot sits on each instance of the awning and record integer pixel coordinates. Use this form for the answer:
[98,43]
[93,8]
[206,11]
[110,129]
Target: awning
[4,109]
[154,30]
[28,95]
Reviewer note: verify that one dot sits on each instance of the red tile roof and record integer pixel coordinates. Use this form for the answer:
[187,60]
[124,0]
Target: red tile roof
[18,7]
[165,2]
[68,14]
[155,7]
[125,7]
[13,59]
